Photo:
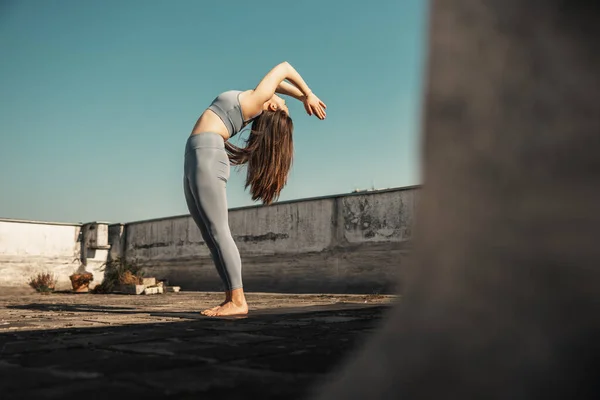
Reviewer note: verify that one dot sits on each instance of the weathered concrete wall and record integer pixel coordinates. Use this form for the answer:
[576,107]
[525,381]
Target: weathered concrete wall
[28,247]
[345,244]
[339,244]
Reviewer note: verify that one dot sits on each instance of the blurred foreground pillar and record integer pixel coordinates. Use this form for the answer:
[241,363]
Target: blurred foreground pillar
[501,299]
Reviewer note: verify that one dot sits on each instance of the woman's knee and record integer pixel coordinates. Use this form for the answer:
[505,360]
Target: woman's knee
[221,233]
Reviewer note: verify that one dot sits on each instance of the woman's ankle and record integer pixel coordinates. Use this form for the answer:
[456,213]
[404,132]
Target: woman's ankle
[237,296]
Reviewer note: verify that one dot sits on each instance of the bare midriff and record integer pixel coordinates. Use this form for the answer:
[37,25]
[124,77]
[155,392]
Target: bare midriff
[210,122]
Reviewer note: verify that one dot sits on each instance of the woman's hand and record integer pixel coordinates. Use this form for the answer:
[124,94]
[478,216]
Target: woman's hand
[314,105]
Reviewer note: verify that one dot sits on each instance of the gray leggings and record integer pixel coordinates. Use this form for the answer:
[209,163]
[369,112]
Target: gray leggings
[206,173]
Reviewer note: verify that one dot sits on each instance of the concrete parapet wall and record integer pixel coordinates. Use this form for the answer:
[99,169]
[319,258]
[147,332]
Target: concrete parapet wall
[351,243]
[344,244]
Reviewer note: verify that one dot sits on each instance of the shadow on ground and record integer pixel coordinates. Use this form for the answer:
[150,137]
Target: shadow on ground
[273,353]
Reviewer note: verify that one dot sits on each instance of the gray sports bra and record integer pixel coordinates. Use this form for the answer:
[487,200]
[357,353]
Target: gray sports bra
[227,107]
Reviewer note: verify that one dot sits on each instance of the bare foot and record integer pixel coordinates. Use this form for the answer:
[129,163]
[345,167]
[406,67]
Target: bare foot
[227,299]
[210,310]
[229,308]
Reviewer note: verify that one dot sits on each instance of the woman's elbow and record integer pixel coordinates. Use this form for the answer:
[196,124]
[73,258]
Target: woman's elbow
[285,65]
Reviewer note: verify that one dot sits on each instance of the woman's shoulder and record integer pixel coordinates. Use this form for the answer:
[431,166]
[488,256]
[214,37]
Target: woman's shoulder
[248,104]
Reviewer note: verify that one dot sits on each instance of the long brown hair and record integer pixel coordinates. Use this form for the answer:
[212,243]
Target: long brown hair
[269,153]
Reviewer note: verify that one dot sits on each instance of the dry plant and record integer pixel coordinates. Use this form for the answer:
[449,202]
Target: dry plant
[43,282]
[119,271]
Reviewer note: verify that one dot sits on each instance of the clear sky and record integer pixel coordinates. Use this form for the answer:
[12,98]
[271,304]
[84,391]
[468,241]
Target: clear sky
[98,97]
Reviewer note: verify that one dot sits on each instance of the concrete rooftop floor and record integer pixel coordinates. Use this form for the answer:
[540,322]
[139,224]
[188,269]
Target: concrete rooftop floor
[159,346]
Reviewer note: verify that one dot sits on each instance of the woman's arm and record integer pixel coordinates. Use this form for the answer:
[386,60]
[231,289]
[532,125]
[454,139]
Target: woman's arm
[312,104]
[267,86]
[288,89]
[254,101]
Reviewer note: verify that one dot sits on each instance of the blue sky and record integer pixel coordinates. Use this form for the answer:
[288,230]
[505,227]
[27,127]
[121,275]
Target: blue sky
[99,96]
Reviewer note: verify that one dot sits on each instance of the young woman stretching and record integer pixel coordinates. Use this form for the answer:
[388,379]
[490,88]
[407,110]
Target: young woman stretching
[268,154]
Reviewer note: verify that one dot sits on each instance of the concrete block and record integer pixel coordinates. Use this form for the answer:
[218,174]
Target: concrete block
[173,289]
[149,281]
[129,289]
[154,290]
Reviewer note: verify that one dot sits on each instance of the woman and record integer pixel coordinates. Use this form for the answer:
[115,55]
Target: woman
[268,155]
